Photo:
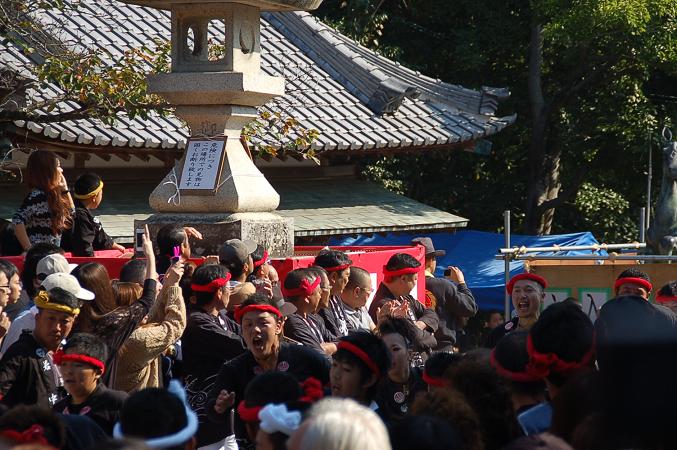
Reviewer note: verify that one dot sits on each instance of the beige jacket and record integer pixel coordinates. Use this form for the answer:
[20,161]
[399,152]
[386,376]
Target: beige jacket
[138,362]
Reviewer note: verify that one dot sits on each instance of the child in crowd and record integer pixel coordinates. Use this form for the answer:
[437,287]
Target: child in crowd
[48,208]
[81,363]
[87,234]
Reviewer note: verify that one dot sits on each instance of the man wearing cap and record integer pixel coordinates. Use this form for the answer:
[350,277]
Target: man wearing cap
[28,374]
[527,291]
[449,297]
[235,255]
[26,321]
[87,234]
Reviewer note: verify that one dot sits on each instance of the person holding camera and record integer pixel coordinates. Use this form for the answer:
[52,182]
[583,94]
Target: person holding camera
[450,297]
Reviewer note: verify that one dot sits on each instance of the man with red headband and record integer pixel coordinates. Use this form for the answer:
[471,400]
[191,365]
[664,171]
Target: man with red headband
[337,264]
[527,291]
[667,296]
[393,299]
[633,281]
[210,339]
[302,288]
[81,363]
[261,323]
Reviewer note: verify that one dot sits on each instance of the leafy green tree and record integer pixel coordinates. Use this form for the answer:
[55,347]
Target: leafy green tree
[589,81]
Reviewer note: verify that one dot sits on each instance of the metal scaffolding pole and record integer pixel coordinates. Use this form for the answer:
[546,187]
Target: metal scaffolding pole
[565,248]
[508,300]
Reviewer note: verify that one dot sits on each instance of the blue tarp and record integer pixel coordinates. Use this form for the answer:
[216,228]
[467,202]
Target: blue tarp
[473,252]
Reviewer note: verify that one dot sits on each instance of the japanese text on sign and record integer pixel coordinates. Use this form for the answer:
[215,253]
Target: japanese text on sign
[201,168]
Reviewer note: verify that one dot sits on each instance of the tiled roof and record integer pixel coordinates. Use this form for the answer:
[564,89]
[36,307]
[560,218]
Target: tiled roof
[357,99]
[330,207]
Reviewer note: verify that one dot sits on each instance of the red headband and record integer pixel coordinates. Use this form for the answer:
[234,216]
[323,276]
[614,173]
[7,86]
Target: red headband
[59,357]
[33,435]
[525,276]
[239,311]
[336,268]
[305,289]
[543,364]
[396,273]
[435,381]
[263,259]
[631,280]
[360,354]
[520,377]
[213,286]
[666,298]
[312,390]
[248,413]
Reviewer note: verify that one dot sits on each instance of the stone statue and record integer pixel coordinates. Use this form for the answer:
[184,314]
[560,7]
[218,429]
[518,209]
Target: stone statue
[662,234]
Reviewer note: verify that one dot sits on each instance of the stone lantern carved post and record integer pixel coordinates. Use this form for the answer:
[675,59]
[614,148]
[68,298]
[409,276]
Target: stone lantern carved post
[217,97]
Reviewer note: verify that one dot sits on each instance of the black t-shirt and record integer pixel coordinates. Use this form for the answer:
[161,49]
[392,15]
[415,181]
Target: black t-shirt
[102,406]
[395,399]
[300,361]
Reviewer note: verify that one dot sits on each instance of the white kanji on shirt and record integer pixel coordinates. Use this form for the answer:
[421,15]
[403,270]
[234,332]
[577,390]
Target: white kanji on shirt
[53,399]
[46,366]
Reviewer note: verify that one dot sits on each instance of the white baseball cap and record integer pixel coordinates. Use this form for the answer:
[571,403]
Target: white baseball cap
[54,263]
[68,283]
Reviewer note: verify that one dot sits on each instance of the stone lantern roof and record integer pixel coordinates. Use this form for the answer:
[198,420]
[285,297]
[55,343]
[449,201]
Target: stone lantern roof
[360,101]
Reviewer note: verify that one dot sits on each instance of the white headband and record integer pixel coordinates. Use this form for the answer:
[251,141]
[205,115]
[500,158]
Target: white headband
[177,438]
[276,418]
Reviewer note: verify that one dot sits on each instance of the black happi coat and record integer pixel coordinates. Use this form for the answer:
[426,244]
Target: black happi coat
[334,317]
[451,301]
[103,406]
[300,361]
[310,332]
[86,235]
[424,341]
[27,375]
[394,399]
[207,343]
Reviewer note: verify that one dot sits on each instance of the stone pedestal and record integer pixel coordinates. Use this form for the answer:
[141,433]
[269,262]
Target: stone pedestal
[274,232]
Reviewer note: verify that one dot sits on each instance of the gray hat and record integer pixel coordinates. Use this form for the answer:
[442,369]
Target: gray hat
[236,251]
[429,247]
[68,283]
[54,263]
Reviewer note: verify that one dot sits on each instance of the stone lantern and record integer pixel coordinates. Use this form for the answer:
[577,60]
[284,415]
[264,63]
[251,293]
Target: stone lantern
[217,95]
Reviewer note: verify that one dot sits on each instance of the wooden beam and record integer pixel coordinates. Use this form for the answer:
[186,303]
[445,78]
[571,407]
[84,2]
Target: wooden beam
[142,156]
[104,156]
[124,156]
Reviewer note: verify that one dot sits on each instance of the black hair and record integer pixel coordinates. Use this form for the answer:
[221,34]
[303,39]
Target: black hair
[168,237]
[669,290]
[133,271]
[33,257]
[402,261]
[357,276]
[122,444]
[565,330]
[63,297]
[294,279]
[205,274]
[8,269]
[374,348]
[428,432]
[401,326]
[87,344]
[9,244]
[511,353]
[22,417]
[257,255]
[331,258]
[152,413]
[272,387]
[488,395]
[439,362]
[634,272]
[86,183]
[258,298]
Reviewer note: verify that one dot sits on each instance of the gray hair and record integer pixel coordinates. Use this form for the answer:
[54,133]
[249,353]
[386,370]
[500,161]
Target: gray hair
[343,424]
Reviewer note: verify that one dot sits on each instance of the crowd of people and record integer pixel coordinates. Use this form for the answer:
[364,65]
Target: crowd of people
[227,354]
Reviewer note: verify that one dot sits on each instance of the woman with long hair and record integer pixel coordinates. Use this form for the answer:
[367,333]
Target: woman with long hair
[94,277]
[46,211]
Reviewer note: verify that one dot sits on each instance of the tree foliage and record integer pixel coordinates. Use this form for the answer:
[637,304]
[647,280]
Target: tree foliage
[592,81]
